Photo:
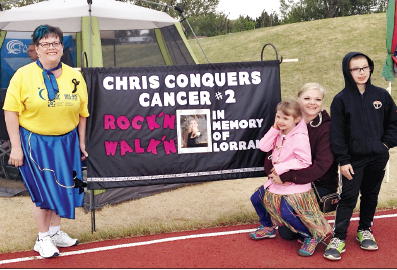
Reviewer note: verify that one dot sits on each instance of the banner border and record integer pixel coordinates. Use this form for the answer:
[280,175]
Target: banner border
[179,175]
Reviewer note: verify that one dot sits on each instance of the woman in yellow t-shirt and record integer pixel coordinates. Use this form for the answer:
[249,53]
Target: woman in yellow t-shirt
[45,112]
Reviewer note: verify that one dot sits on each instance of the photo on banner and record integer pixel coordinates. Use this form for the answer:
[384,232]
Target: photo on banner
[193,129]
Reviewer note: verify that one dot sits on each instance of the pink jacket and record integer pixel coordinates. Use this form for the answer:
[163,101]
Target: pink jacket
[291,153]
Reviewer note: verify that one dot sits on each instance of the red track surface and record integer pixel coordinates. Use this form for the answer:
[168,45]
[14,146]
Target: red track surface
[224,251]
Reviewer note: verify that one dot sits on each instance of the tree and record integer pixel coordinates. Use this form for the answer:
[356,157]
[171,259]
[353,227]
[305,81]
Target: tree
[266,20]
[201,14]
[211,24]
[8,4]
[243,24]
[307,10]
[191,8]
[198,7]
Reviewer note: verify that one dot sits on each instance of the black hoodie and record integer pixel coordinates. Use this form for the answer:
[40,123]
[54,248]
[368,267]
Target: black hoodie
[361,124]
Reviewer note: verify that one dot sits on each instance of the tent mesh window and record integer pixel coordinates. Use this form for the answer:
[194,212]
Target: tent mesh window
[176,47]
[3,128]
[130,48]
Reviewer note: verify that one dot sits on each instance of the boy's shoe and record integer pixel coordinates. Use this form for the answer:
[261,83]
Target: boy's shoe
[309,246]
[263,232]
[62,239]
[367,240]
[46,247]
[334,249]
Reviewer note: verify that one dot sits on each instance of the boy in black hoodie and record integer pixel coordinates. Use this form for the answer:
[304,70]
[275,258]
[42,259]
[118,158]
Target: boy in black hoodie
[363,129]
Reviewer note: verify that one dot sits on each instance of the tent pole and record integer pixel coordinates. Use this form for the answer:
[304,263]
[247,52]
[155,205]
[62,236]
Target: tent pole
[90,32]
[388,163]
[195,37]
[184,19]
[92,208]
[191,29]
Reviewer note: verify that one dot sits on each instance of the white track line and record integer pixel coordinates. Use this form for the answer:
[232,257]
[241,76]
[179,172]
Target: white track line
[91,250]
[375,217]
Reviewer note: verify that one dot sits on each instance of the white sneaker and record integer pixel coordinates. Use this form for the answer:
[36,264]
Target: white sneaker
[46,247]
[62,239]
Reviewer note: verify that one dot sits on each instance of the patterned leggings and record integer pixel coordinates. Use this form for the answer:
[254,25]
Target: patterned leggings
[287,213]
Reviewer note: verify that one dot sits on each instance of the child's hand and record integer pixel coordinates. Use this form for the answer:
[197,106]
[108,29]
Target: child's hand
[275,123]
[347,171]
[273,171]
[277,180]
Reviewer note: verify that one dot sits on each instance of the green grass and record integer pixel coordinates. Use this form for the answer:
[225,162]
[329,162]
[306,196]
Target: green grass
[319,45]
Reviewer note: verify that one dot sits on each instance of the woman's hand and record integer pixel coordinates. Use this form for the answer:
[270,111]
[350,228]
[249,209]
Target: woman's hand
[273,171]
[16,157]
[82,149]
[12,123]
[277,180]
[81,129]
[347,171]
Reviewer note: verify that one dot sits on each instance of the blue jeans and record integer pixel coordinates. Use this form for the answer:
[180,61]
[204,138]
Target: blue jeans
[287,213]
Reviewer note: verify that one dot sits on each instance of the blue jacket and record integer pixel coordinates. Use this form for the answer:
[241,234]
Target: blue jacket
[361,124]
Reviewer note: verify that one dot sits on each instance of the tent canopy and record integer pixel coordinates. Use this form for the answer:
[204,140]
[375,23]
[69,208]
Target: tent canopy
[73,16]
[67,14]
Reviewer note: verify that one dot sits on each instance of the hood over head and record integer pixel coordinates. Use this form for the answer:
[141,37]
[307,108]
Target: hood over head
[349,81]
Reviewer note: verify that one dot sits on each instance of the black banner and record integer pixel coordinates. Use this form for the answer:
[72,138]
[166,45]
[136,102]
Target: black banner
[178,124]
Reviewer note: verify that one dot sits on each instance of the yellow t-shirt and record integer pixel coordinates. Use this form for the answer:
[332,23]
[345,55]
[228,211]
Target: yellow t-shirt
[27,95]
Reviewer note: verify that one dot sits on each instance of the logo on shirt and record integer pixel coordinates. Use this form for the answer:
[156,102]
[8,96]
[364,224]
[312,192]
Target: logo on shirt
[377,104]
[59,101]
[41,93]
[16,47]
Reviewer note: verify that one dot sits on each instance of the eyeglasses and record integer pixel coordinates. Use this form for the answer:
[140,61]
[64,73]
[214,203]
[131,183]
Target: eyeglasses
[54,44]
[31,51]
[358,70]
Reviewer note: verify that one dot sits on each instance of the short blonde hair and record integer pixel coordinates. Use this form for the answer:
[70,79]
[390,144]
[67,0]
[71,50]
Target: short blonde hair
[311,86]
[290,107]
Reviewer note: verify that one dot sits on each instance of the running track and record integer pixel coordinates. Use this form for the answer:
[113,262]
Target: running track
[226,247]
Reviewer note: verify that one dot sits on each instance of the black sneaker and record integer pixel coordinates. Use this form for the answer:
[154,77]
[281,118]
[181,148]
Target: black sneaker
[334,249]
[367,240]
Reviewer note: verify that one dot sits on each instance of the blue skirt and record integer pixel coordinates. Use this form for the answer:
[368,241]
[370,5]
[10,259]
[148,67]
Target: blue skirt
[47,171]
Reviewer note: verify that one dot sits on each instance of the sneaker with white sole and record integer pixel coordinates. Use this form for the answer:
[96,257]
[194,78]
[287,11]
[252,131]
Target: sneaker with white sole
[46,247]
[62,239]
[263,232]
[334,249]
[367,240]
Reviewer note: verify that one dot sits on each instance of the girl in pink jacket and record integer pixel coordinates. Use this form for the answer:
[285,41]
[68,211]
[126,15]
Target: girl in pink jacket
[289,140]
[289,204]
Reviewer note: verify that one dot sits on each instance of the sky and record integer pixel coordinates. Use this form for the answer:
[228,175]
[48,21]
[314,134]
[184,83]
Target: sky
[252,8]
